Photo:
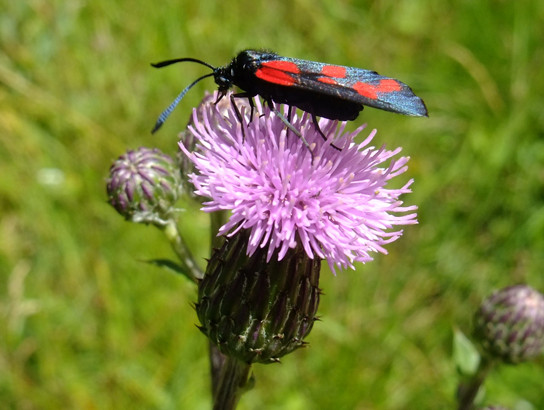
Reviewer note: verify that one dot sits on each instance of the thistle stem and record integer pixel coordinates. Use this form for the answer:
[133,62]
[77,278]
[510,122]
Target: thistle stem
[179,246]
[468,390]
[232,383]
[217,220]
[217,359]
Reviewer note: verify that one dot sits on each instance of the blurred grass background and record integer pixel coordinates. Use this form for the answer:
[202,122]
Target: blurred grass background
[86,325]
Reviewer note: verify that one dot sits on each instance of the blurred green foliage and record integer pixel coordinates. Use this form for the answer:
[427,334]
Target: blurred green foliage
[86,324]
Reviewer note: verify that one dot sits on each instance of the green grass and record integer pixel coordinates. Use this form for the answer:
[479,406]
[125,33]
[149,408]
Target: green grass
[87,325]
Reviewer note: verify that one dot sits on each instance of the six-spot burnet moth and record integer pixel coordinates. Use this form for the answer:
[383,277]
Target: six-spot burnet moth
[331,91]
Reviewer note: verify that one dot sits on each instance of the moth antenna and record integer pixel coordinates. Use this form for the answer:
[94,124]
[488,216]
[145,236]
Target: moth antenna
[180,60]
[166,113]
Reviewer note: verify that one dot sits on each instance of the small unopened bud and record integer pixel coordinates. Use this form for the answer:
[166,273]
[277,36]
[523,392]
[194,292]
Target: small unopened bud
[144,185]
[254,310]
[510,324]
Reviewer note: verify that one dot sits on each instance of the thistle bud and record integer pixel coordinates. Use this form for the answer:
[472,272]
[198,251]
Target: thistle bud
[510,324]
[144,185]
[257,310]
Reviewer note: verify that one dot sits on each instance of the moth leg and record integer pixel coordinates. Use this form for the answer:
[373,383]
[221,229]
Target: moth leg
[250,102]
[293,129]
[237,110]
[316,125]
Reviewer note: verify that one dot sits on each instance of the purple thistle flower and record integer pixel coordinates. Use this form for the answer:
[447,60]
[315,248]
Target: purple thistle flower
[333,202]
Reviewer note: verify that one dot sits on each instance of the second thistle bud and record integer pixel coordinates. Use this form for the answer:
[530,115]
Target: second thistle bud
[144,185]
[510,324]
[254,310]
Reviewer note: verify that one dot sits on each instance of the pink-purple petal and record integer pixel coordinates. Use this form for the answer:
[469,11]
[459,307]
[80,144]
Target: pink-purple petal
[335,203]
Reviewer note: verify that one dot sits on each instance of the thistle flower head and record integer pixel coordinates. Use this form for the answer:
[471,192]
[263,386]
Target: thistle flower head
[510,324]
[333,202]
[144,185]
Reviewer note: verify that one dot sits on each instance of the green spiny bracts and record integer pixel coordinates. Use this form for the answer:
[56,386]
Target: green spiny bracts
[254,310]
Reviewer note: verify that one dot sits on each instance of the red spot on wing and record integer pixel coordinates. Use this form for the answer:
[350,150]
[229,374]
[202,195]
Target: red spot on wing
[372,90]
[286,66]
[327,80]
[334,71]
[275,76]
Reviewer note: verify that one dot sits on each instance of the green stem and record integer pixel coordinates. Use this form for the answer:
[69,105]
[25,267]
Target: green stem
[232,383]
[217,220]
[217,359]
[229,376]
[467,390]
[179,246]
